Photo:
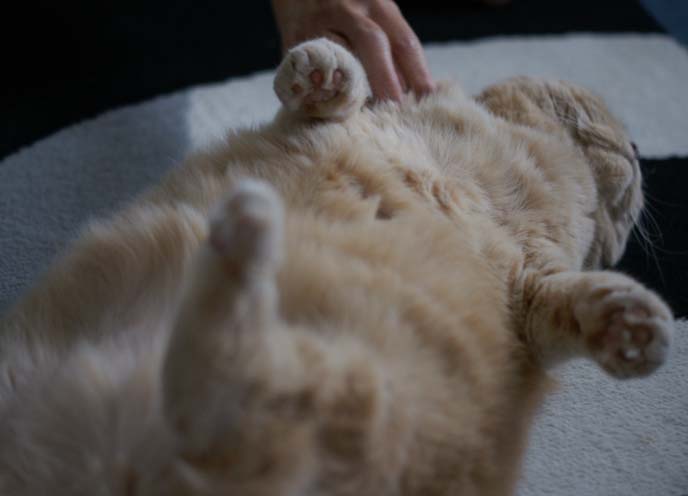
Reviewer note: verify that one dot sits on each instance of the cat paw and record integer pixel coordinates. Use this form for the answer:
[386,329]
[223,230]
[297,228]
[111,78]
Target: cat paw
[321,79]
[246,228]
[626,328]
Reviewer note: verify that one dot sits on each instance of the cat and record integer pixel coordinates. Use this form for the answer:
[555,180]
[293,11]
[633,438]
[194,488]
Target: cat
[354,299]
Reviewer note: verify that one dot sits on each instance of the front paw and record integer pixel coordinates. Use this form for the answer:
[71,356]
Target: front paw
[321,79]
[626,328]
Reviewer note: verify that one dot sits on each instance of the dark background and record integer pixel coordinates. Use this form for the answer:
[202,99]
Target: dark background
[68,61]
[73,60]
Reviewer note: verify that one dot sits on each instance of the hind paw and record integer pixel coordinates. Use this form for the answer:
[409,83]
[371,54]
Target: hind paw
[246,229]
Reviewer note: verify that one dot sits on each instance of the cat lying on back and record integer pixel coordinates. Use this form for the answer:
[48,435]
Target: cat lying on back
[349,300]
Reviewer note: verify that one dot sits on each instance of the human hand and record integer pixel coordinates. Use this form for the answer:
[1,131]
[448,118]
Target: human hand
[374,30]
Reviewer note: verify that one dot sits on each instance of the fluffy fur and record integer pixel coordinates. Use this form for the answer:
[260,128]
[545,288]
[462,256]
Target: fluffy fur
[350,300]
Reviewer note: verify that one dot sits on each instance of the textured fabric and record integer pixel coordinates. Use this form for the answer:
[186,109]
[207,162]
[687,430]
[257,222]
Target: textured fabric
[596,436]
[599,436]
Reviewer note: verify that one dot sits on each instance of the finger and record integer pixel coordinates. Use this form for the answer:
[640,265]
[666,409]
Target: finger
[402,80]
[371,45]
[406,48]
[337,38]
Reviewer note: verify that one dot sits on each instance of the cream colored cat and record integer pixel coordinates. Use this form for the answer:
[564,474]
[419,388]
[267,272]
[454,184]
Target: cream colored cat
[347,301]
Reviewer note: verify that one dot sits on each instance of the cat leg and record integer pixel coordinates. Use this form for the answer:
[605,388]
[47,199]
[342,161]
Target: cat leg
[604,315]
[261,406]
[319,79]
[229,304]
[229,355]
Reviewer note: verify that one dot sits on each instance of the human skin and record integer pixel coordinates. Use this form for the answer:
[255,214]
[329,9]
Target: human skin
[374,30]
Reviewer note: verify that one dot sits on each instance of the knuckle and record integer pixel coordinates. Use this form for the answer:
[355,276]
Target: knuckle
[406,43]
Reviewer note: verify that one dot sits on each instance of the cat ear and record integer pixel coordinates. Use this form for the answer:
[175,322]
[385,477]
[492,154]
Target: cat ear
[555,106]
[572,112]
[228,308]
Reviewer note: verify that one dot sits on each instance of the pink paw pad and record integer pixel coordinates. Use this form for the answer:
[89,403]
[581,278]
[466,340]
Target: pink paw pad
[631,332]
[316,78]
[322,79]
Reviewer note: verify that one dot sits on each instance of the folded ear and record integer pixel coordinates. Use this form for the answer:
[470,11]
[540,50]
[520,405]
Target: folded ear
[549,105]
[582,119]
